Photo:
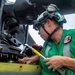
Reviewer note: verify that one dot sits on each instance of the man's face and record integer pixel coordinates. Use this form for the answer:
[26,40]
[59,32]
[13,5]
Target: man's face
[42,33]
[48,26]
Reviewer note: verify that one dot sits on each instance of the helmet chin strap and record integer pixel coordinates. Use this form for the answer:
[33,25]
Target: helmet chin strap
[50,35]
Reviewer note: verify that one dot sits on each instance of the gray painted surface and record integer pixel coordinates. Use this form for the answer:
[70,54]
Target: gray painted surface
[14,73]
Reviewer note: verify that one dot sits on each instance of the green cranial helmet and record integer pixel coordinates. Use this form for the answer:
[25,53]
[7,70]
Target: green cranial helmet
[40,21]
[51,13]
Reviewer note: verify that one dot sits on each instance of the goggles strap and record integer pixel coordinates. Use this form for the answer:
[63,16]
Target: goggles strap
[49,38]
[50,35]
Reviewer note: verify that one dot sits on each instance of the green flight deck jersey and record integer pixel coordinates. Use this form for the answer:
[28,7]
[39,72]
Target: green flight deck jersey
[51,49]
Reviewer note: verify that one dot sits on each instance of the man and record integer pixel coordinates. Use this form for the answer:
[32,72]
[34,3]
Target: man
[59,48]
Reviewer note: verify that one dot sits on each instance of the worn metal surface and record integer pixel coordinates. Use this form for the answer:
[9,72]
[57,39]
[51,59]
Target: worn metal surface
[19,69]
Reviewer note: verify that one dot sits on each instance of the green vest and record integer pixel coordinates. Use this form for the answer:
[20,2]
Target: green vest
[50,49]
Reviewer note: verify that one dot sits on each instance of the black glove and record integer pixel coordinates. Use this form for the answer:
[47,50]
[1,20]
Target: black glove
[38,48]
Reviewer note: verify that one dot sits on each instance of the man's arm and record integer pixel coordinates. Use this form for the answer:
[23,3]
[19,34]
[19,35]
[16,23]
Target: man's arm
[57,62]
[29,60]
[69,62]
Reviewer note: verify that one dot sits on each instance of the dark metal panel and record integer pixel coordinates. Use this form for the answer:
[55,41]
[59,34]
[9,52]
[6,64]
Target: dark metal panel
[65,6]
[21,36]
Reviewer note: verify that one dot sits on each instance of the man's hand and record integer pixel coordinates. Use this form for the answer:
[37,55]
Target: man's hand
[25,60]
[54,63]
[29,60]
